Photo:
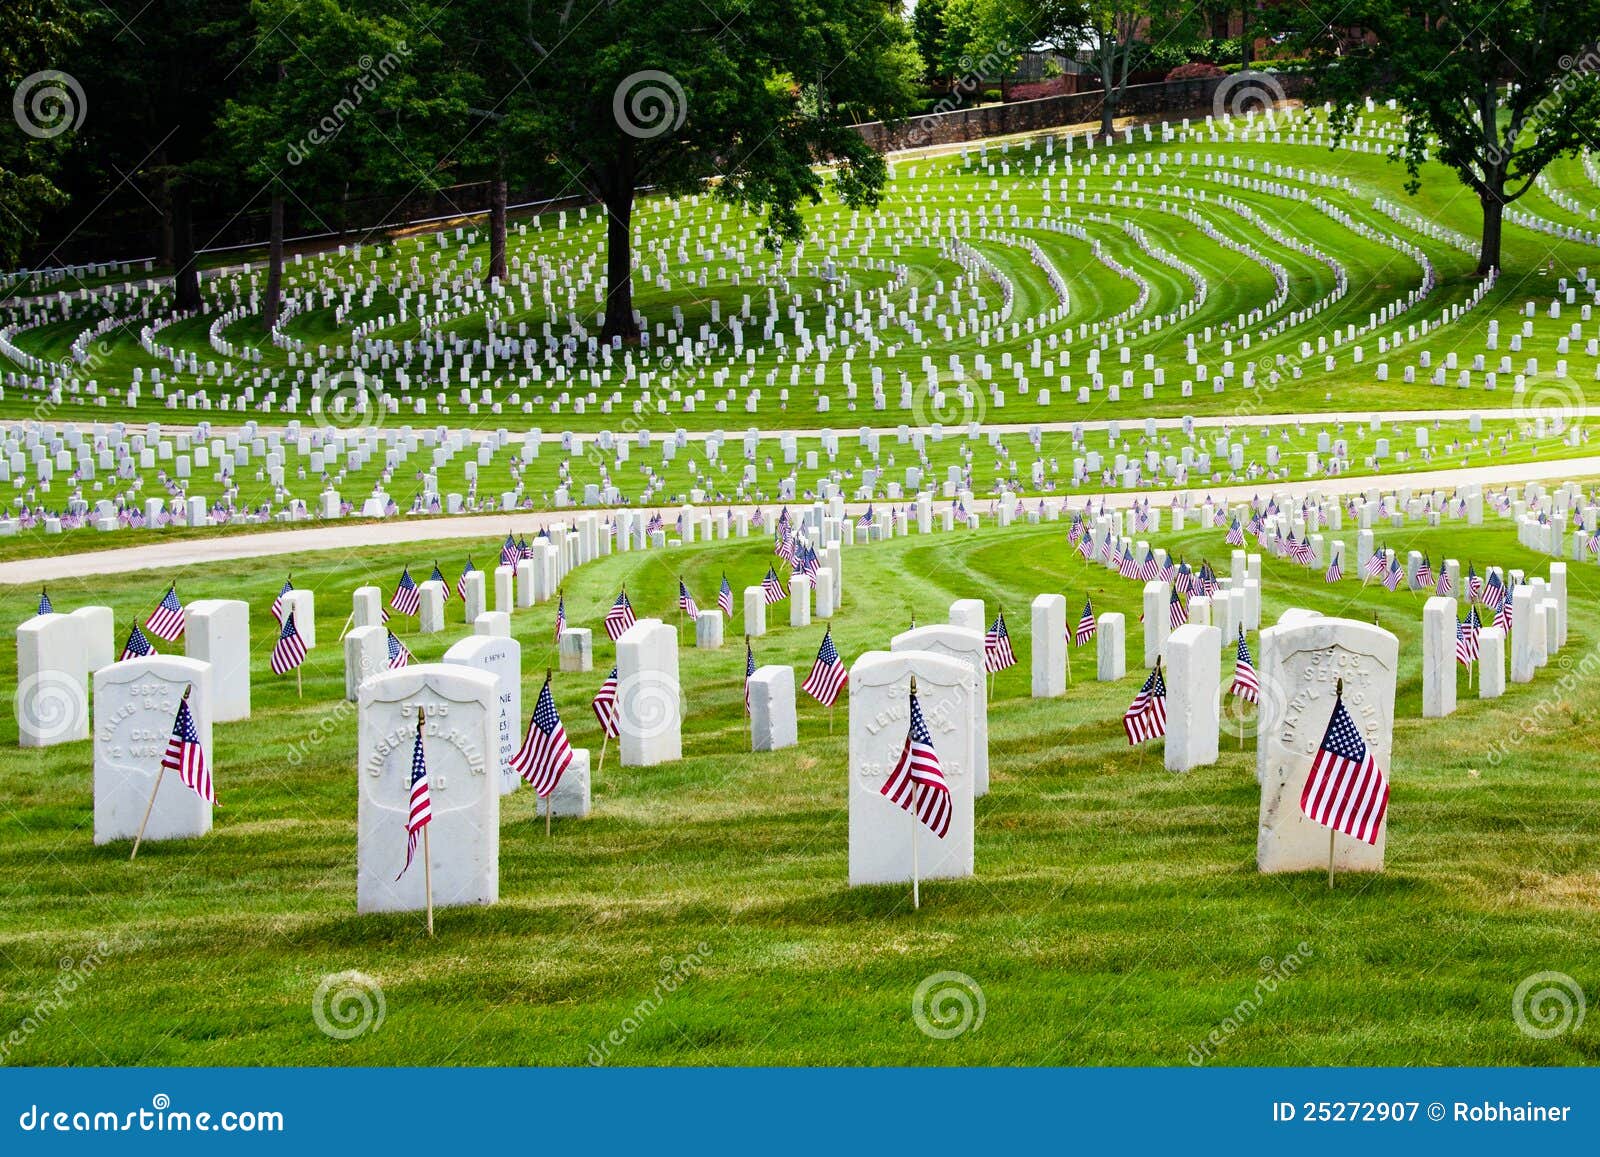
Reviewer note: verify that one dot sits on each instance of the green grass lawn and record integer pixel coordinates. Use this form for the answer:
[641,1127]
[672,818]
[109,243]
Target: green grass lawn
[1116,916]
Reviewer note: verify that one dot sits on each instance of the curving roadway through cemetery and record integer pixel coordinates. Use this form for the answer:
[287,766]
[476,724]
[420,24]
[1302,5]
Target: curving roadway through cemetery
[223,548]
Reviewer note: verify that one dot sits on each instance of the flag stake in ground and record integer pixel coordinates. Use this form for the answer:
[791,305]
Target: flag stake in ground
[149,807]
[916,885]
[427,858]
[549,800]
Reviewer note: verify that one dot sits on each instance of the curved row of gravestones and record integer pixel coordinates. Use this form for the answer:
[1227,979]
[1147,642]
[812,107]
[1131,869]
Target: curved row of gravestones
[474,715]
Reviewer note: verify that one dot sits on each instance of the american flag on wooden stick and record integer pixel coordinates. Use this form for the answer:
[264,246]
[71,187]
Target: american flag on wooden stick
[561,615]
[510,555]
[166,621]
[461,583]
[277,603]
[419,813]
[406,600]
[605,705]
[725,597]
[1445,587]
[828,674]
[45,606]
[1467,638]
[545,752]
[1086,624]
[772,587]
[686,602]
[1346,789]
[438,577]
[1146,716]
[399,656]
[1335,571]
[917,783]
[997,652]
[620,617]
[1395,576]
[1375,565]
[185,756]
[749,670]
[1177,610]
[1245,684]
[290,650]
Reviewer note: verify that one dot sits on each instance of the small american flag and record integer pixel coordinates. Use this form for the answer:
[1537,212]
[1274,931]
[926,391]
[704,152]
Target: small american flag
[997,653]
[1086,624]
[399,656]
[1393,579]
[438,577]
[45,606]
[725,598]
[917,783]
[185,756]
[561,616]
[510,555]
[1494,592]
[166,621]
[1346,790]
[1177,611]
[620,617]
[1235,536]
[461,583]
[605,705]
[866,519]
[686,602]
[1245,684]
[1502,613]
[1424,572]
[420,813]
[545,752]
[277,603]
[1474,584]
[406,600]
[828,674]
[138,646]
[772,587]
[1335,571]
[749,670]
[1467,638]
[290,650]
[1375,566]
[1146,716]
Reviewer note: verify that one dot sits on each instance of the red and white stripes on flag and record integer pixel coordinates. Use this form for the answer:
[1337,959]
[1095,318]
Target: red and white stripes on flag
[166,621]
[290,650]
[1146,716]
[686,602]
[419,811]
[1246,685]
[620,617]
[828,674]
[605,705]
[725,598]
[997,652]
[545,752]
[917,783]
[772,588]
[1346,789]
[185,756]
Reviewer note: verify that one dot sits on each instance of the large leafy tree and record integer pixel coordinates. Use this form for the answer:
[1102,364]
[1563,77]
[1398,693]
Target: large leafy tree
[685,95]
[1497,89]
[38,32]
[317,111]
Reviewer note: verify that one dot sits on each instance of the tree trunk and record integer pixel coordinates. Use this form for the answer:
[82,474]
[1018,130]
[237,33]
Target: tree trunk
[270,308]
[497,227]
[617,191]
[185,276]
[1489,253]
[1108,114]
